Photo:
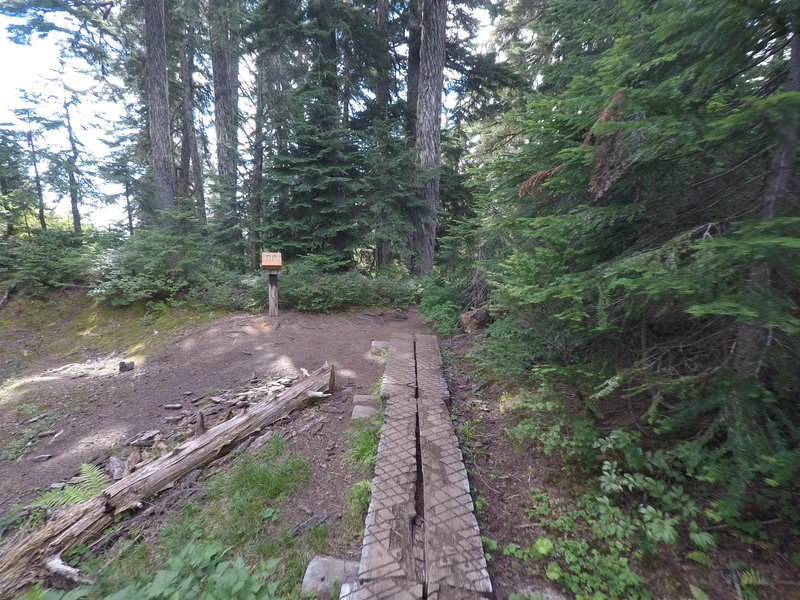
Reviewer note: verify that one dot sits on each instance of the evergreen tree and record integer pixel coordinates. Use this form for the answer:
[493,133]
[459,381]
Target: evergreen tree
[644,195]
[16,200]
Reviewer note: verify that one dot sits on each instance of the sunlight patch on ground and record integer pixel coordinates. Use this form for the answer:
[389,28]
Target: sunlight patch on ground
[103,367]
[105,438]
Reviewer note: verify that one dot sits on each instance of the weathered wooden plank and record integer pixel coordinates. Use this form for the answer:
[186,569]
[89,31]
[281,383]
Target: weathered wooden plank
[399,376]
[455,566]
[388,547]
[384,589]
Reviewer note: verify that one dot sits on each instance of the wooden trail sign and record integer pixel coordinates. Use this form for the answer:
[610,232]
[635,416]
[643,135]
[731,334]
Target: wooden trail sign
[272,263]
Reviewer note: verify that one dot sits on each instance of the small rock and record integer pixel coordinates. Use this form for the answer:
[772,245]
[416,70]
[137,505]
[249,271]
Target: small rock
[377,345]
[188,393]
[144,439]
[173,406]
[116,466]
[472,320]
[365,399]
[542,590]
[196,400]
[42,458]
[37,418]
[48,433]
[173,418]
[58,485]
[331,446]
[322,574]
[363,412]
[124,366]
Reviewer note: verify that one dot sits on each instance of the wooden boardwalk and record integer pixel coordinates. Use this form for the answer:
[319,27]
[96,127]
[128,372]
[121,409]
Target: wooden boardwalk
[421,538]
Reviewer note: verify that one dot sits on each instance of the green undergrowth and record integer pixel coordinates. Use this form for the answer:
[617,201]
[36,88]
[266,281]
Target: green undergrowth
[364,437]
[628,505]
[362,452]
[228,541]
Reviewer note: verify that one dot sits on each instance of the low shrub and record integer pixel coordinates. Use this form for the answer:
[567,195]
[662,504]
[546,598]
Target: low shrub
[53,258]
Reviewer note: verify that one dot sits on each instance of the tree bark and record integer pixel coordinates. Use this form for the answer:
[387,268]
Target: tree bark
[37,178]
[74,190]
[412,74]
[187,125]
[752,339]
[257,174]
[383,79]
[128,205]
[429,129]
[22,563]
[191,169]
[158,105]
[224,33]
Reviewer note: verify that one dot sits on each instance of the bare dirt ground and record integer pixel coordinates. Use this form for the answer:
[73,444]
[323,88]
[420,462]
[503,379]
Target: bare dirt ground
[90,408]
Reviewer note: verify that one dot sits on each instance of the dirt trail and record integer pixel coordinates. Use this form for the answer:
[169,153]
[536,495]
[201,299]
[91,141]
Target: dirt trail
[99,408]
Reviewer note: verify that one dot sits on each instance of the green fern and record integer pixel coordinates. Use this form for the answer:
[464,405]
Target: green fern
[91,482]
[698,594]
[701,558]
[752,578]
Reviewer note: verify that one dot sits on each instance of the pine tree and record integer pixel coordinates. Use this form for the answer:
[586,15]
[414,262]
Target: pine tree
[643,194]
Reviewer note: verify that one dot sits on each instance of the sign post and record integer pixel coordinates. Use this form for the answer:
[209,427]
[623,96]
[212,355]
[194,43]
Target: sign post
[272,263]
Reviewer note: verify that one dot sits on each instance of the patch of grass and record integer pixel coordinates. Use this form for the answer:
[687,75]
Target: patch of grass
[81,322]
[358,500]
[22,440]
[239,510]
[364,437]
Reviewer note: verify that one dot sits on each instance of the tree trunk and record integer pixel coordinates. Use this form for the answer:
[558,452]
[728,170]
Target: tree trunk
[158,105]
[412,75]
[187,127]
[128,206]
[384,67]
[752,339]
[37,179]
[191,169]
[224,33]
[74,190]
[257,175]
[429,129]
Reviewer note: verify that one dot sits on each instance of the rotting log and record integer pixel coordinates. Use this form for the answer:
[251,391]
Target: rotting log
[25,562]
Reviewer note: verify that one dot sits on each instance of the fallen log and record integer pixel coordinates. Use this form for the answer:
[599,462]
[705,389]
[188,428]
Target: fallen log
[28,560]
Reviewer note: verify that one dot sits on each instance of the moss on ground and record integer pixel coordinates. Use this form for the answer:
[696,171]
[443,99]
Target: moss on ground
[66,323]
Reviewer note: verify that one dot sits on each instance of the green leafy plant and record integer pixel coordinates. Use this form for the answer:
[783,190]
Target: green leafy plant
[364,437]
[199,571]
[91,481]
[358,499]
